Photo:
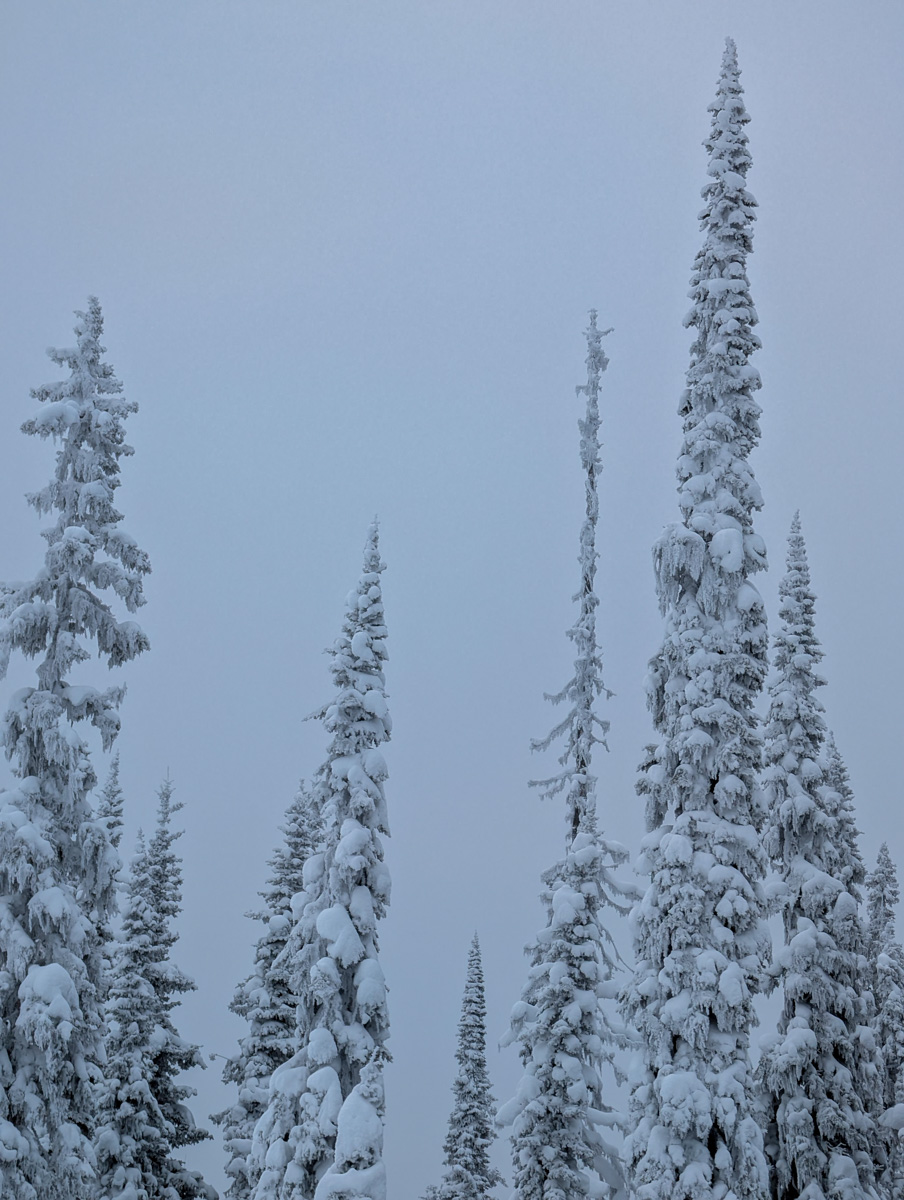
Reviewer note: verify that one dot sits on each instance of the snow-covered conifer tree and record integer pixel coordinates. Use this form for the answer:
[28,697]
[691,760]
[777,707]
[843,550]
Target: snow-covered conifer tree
[888,975]
[133,1142]
[171,1055]
[812,1072]
[265,1000]
[565,1034]
[57,866]
[469,1175]
[110,805]
[700,935]
[322,1132]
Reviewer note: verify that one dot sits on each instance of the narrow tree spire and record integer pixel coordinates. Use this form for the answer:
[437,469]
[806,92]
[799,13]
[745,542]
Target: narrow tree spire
[469,1175]
[700,934]
[110,803]
[819,1072]
[266,1000]
[563,1031]
[582,728]
[322,1132]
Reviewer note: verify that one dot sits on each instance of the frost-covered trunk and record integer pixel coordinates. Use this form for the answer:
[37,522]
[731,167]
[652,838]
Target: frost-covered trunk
[322,1132]
[468,1174]
[562,1025]
[816,1071]
[700,936]
[266,999]
[57,864]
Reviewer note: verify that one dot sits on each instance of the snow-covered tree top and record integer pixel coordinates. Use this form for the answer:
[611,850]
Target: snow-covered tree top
[87,553]
[717,489]
[883,896]
[582,728]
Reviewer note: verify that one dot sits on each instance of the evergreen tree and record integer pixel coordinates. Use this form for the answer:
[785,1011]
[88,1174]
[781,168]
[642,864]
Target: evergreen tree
[134,1141]
[265,1000]
[110,804]
[814,1070]
[471,1134]
[700,935]
[564,1032]
[322,1132]
[170,1054]
[57,866]
[888,974]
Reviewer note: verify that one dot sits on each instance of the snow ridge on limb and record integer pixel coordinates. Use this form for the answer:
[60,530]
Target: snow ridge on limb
[887,957]
[700,937]
[57,865]
[471,1132]
[322,1131]
[564,1032]
[266,999]
[816,1071]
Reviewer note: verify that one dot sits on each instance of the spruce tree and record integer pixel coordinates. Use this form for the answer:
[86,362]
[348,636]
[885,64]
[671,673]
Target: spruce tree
[700,936]
[816,1072]
[110,804]
[322,1132]
[887,958]
[266,1000]
[57,866]
[170,1055]
[564,1031]
[471,1134]
[134,1138]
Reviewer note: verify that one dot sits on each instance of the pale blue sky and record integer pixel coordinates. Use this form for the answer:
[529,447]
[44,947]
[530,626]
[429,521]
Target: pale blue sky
[345,252]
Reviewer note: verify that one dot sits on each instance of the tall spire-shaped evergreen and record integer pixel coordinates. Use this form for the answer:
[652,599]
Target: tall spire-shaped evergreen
[322,1131]
[469,1175]
[700,936]
[564,1033]
[816,1069]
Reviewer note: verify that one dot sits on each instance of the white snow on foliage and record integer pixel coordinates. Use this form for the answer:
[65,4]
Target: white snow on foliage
[57,864]
[321,1131]
[700,937]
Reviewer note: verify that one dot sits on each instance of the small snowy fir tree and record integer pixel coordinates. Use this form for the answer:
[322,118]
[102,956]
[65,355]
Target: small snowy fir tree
[265,1000]
[170,1053]
[133,1143]
[322,1132]
[818,1132]
[563,1028]
[888,975]
[700,936]
[57,866]
[110,804]
[467,1147]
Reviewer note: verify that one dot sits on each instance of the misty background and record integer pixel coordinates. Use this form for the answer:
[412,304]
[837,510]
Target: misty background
[345,252]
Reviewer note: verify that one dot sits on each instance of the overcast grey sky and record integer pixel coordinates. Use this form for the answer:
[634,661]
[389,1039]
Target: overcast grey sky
[345,253]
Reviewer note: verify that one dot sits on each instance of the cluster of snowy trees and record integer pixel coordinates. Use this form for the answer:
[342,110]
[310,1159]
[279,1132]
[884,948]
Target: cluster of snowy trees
[749,817]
